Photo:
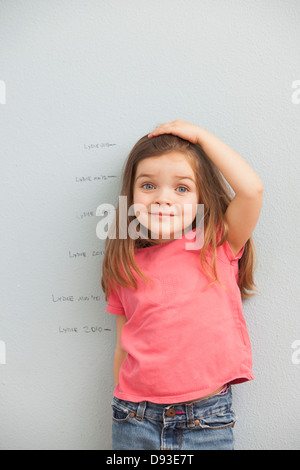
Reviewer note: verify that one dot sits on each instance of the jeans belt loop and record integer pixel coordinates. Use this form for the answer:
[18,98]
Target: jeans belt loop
[140,412]
[190,415]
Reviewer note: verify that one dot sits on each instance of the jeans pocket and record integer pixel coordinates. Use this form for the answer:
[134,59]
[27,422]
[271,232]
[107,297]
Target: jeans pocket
[219,420]
[121,415]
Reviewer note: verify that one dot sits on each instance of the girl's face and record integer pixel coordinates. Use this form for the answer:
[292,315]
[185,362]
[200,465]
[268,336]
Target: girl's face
[165,186]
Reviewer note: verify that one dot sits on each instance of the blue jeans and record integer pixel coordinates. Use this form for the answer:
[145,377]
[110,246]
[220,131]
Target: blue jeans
[204,425]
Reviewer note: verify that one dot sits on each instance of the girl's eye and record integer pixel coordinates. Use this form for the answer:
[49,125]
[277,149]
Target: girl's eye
[183,188]
[149,184]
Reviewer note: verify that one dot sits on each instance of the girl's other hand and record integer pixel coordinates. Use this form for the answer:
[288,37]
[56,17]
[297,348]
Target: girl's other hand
[182,129]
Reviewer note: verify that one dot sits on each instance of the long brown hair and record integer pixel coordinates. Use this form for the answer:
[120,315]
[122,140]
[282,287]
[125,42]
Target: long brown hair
[214,193]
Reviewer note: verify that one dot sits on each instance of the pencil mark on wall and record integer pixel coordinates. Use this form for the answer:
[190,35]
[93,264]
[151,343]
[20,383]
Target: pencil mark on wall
[74,299]
[90,179]
[100,145]
[90,214]
[83,254]
[87,329]
[85,214]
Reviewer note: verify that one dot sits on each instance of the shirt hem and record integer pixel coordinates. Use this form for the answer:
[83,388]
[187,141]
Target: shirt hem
[115,310]
[181,398]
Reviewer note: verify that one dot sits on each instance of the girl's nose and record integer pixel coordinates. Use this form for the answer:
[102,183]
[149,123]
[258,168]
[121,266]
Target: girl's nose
[163,197]
[162,202]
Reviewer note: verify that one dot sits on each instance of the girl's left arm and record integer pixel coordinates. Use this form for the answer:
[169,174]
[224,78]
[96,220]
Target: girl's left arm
[243,212]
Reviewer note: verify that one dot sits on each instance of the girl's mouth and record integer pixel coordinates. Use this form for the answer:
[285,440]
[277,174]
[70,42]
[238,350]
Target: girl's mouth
[160,214]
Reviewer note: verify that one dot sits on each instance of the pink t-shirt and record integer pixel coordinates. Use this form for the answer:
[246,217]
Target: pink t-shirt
[184,339]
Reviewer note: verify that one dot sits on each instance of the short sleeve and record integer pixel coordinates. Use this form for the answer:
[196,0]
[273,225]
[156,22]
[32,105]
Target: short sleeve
[114,304]
[230,254]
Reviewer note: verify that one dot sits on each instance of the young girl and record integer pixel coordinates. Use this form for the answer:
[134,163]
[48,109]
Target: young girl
[181,336]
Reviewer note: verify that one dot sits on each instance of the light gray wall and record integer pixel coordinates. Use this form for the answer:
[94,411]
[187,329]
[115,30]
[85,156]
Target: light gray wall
[79,73]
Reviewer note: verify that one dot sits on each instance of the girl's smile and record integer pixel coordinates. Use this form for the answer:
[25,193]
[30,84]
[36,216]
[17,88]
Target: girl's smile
[160,214]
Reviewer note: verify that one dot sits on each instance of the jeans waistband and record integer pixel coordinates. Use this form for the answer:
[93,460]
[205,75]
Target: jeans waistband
[177,411]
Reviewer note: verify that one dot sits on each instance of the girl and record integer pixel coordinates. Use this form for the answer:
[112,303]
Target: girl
[181,336]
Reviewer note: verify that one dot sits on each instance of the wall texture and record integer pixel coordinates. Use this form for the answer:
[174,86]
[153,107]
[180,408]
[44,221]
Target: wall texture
[80,83]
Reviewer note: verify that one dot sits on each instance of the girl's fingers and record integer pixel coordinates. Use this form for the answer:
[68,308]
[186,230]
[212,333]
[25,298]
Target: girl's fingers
[182,129]
[162,129]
